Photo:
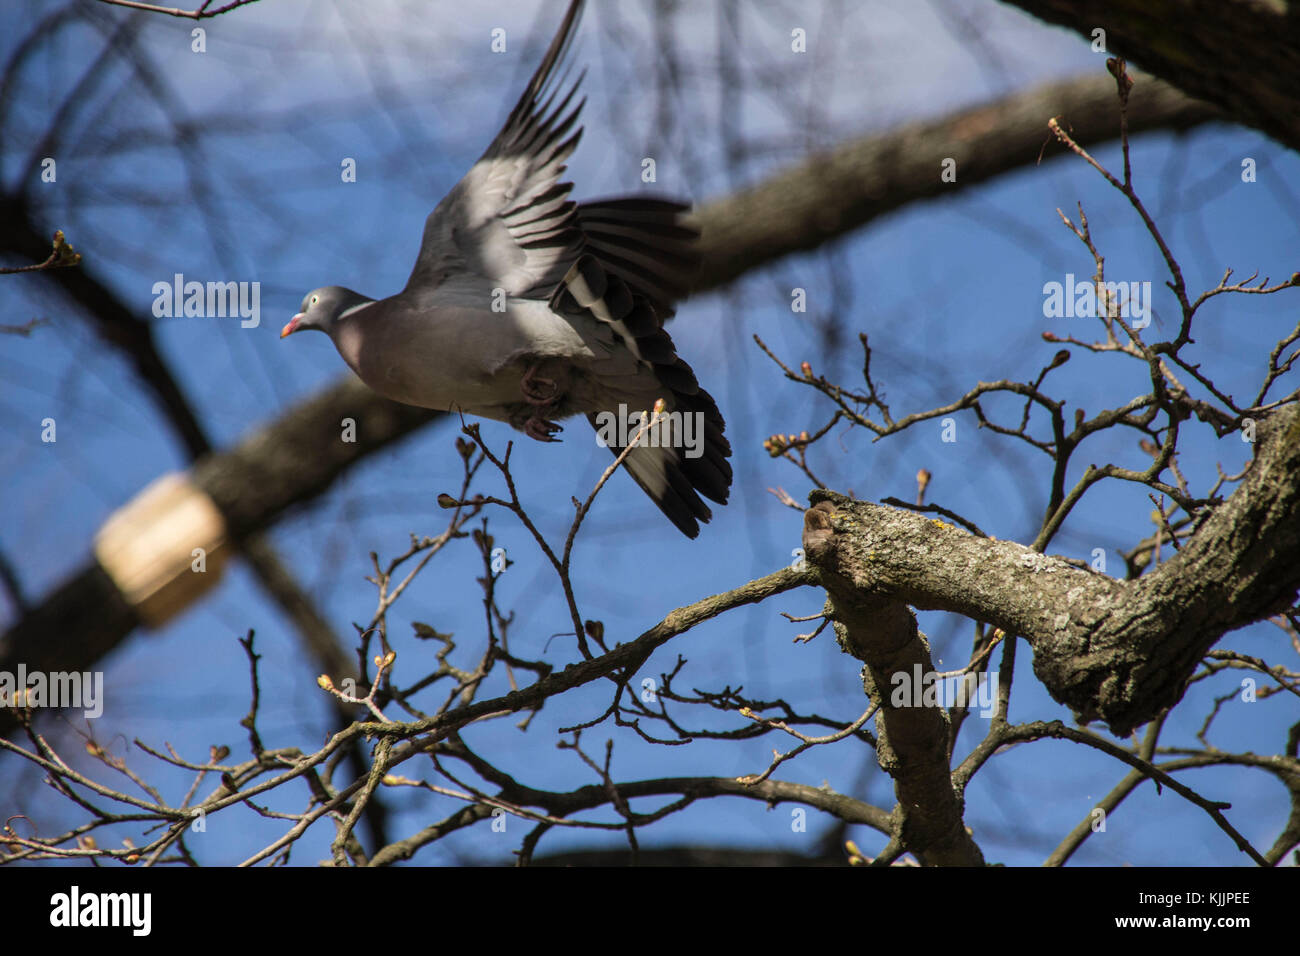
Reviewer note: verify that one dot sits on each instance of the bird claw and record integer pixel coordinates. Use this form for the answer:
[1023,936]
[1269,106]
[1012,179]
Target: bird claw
[540,429]
[537,390]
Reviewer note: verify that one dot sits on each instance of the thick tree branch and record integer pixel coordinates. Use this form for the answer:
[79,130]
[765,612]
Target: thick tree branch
[828,195]
[1242,55]
[912,743]
[1116,651]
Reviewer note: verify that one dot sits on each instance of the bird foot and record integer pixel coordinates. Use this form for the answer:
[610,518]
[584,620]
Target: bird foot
[536,389]
[540,429]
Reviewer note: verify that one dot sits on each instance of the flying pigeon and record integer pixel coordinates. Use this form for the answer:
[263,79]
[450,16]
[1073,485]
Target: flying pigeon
[527,307]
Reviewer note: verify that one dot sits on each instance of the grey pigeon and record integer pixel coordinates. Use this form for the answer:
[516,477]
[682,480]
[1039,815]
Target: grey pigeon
[527,307]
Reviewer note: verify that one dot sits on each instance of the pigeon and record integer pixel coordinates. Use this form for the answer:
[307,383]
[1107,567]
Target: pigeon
[527,307]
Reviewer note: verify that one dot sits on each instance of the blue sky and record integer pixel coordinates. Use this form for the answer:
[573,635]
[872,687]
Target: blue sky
[950,293]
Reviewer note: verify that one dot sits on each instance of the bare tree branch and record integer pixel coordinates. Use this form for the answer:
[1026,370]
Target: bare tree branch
[201,13]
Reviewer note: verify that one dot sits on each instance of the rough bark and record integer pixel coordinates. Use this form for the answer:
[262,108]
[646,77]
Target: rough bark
[1242,55]
[1115,651]
[912,742]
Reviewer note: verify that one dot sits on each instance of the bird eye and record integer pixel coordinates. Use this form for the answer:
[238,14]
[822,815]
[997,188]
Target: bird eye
[314,299]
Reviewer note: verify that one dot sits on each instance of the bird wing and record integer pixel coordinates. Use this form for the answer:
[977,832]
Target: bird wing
[509,222]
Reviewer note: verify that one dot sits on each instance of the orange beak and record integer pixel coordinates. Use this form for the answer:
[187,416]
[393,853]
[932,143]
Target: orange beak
[291,326]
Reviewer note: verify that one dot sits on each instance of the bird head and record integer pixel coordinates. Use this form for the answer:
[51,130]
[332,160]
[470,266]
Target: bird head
[322,308]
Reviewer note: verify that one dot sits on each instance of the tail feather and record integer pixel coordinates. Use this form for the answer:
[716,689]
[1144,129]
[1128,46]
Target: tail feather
[637,259]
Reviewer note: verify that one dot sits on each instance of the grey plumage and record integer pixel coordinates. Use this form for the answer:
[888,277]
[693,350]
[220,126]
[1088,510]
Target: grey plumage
[527,307]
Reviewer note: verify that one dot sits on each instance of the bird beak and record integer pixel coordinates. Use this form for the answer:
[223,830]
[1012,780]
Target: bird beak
[291,326]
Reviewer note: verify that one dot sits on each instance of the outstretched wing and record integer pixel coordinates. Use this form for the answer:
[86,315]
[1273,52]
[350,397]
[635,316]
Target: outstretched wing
[509,223]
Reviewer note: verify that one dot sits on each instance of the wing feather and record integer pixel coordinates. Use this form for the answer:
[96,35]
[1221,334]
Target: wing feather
[509,222]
